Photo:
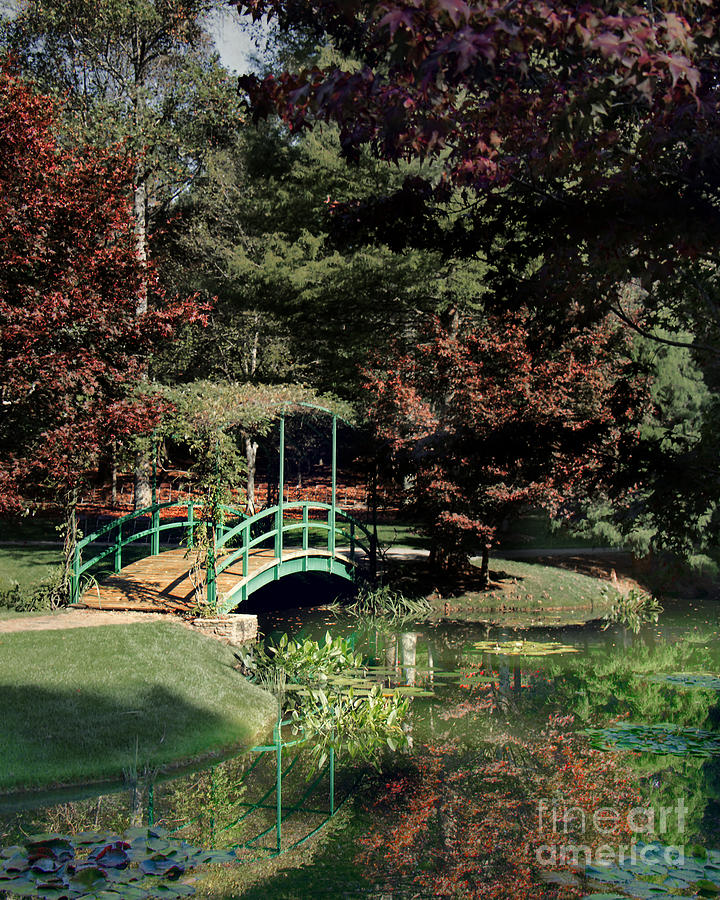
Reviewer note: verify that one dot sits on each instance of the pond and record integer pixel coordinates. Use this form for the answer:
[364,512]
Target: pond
[564,762]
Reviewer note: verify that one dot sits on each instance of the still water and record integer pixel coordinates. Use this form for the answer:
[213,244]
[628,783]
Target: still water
[563,762]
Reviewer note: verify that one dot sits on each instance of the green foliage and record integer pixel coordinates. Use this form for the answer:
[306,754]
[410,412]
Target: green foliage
[140,864]
[49,594]
[360,723]
[300,663]
[662,738]
[388,605]
[332,701]
[633,610]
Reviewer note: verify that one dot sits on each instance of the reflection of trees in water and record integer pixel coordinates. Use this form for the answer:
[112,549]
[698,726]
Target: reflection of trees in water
[621,683]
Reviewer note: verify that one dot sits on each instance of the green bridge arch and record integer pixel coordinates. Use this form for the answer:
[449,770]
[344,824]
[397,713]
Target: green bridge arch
[286,539]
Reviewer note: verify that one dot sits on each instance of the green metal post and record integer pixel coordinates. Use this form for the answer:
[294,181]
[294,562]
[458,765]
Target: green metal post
[246,549]
[211,574]
[333,497]
[352,541]
[75,597]
[278,788]
[191,525]
[118,548]
[155,534]
[154,473]
[305,528]
[332,781]
[279,519]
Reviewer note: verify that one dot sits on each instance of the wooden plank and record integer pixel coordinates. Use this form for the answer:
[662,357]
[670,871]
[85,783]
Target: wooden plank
[163,582]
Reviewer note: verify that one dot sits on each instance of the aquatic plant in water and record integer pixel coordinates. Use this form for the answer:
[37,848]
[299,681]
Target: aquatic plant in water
[524,648]
[633,610]
[384,603]
[140,864]
[661,738]
[325,687]
[653,870]
[689,680]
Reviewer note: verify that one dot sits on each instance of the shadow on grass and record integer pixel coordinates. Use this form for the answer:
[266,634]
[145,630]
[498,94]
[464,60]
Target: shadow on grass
[71,736]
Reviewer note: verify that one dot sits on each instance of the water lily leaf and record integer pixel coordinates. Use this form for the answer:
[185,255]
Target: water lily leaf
[524,648]
[90,837]
[46,864]
[89,877]
[604,897]
[664,738]
[690,680]
[161,865]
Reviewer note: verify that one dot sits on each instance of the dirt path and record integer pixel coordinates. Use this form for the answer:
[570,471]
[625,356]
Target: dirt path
[79,618]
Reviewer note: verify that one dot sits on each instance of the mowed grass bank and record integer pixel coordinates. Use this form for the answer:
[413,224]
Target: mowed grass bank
[85,704]
[521,593]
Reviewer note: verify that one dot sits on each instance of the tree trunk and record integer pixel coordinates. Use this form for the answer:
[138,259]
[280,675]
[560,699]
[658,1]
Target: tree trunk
[485,566]
[141,240]
[114,475]
[143,489]
[251,448]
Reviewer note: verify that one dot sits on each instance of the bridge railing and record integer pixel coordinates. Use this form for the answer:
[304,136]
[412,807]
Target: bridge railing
[228,543]
[114,537]
[311,530]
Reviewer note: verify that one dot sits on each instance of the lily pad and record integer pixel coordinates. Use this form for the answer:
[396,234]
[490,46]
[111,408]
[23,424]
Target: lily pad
[690,680]
[654,870]
[524,648]
[664,738]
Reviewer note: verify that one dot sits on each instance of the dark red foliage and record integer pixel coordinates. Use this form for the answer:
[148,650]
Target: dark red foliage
[488,422]
[492,82]
[582,138]
[73,348]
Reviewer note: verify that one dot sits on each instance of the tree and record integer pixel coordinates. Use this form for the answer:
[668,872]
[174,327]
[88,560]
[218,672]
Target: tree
[253,231]
[211,418]
[137,73]
[593,130]
[486,421]
[578,147]
[73,345]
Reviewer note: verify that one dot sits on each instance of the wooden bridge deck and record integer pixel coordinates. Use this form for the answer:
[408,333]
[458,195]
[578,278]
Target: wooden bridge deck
[162,583]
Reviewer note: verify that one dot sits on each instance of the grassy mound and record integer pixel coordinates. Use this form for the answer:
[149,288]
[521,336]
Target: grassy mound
[525,593]
[84,704]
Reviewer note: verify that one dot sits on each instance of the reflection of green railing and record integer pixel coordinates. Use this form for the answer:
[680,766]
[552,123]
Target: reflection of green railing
[281,812]
[115,536]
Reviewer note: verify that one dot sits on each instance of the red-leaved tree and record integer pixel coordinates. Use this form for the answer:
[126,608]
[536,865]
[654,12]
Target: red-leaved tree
[487,420]
[580,137]
[73,350]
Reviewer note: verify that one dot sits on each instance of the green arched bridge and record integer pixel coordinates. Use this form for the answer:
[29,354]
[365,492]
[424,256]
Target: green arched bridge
[219,560]
[241,556]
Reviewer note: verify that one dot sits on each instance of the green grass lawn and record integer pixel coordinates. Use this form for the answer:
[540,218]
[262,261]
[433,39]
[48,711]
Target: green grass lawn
[76,703]
[523,589]
[27,566]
